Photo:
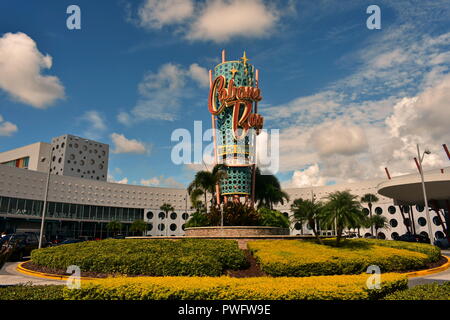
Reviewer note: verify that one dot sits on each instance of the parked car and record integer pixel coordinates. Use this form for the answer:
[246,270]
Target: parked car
[409,237]
[21,244]
[5,250]
[68,241]
[442,243]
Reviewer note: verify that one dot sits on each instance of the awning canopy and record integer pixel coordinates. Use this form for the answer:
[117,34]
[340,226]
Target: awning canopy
[407,190]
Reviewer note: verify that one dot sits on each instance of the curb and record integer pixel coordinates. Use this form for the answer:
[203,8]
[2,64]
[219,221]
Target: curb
[23,270]
[419,273]
[50,276]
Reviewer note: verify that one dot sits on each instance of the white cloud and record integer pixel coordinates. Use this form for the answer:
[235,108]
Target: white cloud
[161,93]
[156,13]
[20,72]
[124,145]
[337,137]
[162,182]
[215,20]
[7,128]
[308,177]
[95,124]
[121,181]
[220,20]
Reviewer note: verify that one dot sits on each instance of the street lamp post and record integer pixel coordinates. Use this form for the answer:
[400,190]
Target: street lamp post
[44,207]
[427,211]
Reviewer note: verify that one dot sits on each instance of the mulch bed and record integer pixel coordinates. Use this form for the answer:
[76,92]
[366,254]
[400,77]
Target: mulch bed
[252,271]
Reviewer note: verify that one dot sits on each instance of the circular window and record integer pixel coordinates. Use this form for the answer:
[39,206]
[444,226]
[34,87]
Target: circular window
[183,226]
[394,236]
[92,162]
[161,227]
[308,227]
[81,162]
[378,210]
[72,157]
[367,235]
[381,235]
[100,166]
[366,211]
[149,215]
[436,221]
[439,235]
[425,234]
[392,210]
[161,215]
[393,223]
[173,227]
[150,226]
[185,216]
[54,158]
[75,145]
[419,208]
[298,226]
[407,222]
[173,216]
[62,145]
[422,221]
[405,209]
[59,160]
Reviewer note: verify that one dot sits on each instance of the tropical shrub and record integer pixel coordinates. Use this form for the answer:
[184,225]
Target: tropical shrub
[185,257]
[224,288]
[301,258]
[431,291]
[273,218]
[29,292]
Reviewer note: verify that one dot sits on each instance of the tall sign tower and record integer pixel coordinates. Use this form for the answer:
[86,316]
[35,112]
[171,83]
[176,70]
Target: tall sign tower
[233,104]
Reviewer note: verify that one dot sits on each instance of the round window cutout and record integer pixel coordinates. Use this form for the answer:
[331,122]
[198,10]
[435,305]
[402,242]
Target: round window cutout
[59,160]
[436,221]
[161,215]
[75,145]
[161,227]
[173,227]
[378,210]
[419,208]
[367,235]
[185,216]
[406,209]
[62,145]
[392,210]
[439,235]
[100,166]
[173,216]
[393,223]
[298,226]
[92,162]
[183,226]
[422,221]
[366,211]
[424,234]
[149,215]
[407,222]
[394,236]
[381,235]
[308,226]
[150,227]
[72,157]
[81,162]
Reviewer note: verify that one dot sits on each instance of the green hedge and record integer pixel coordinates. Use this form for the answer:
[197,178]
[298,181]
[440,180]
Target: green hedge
[432,291]
[29,292]
[155,257]
[300,258]
[345,287]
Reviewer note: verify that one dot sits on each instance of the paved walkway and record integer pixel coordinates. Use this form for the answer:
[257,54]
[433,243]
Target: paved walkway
[10,276]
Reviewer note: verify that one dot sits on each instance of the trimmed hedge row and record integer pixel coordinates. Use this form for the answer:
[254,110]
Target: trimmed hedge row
[431,291]
[306,258]
[29,292]
[155,257]
[224,288]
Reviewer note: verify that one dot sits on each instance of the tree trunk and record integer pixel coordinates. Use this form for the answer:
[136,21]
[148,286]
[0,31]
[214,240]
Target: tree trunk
[313,227]
[370,213]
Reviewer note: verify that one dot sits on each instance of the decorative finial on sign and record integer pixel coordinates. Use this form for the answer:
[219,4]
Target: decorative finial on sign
[244,58]
[223,56]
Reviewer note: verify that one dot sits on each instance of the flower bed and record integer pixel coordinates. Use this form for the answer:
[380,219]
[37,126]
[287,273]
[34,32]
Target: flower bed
[186,257]
[345,287]
[307,258]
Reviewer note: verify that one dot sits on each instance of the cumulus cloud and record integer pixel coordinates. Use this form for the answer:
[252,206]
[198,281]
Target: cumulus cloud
[96,124]
[162,182]
[337,137]
[308,177]
[156,13]
[21,72]
[213,20]
[121,181]
[125,145]
[161,92]
[236,22]
[7,128]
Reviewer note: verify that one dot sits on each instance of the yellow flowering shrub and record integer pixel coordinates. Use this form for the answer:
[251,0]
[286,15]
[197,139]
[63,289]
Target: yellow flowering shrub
[306,258]
[344,287]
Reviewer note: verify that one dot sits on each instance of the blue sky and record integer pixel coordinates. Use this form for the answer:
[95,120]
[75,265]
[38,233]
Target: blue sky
[348,100]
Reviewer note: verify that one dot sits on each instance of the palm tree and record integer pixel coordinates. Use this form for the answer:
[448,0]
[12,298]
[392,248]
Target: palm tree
[343,210]
[369,198]
[138,226]
[114,226]
[166,207]
[307,211]
[268,190]
[379,222]
[195,194]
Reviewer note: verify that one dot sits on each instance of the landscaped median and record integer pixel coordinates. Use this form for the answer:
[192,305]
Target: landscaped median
[307,258]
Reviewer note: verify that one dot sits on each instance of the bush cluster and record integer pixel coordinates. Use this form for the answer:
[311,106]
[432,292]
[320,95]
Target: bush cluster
[300,258]
[431,291]
[225,288]
[29,292]
[185,257]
